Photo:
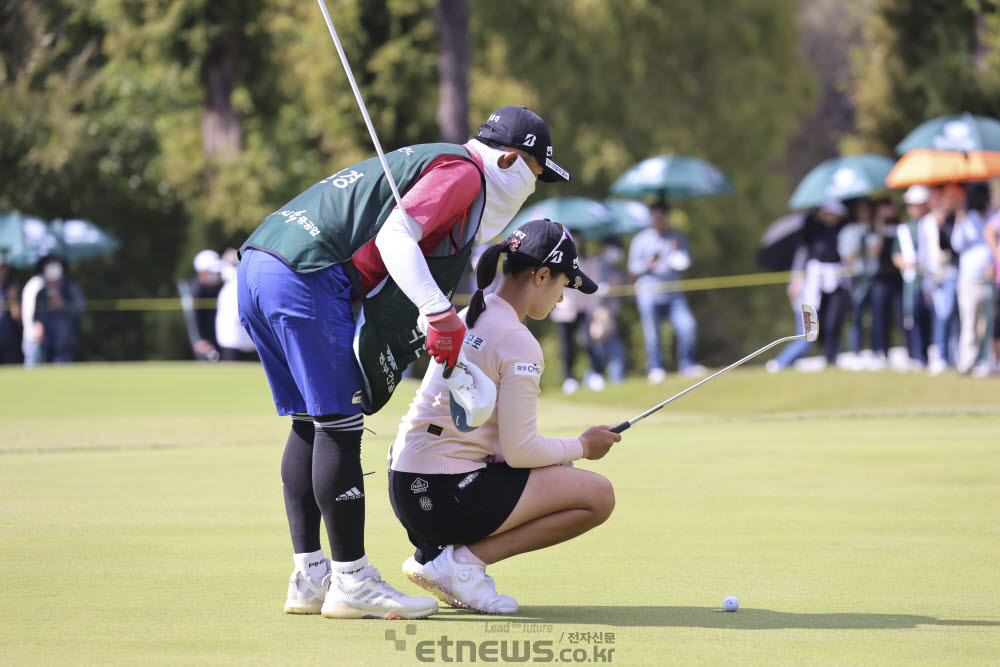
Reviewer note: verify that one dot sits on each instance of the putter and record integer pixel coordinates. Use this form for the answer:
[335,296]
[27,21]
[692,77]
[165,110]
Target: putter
[368,121]
[810,331]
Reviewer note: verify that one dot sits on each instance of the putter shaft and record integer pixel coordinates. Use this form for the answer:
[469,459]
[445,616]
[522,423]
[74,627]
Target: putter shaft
[626,424]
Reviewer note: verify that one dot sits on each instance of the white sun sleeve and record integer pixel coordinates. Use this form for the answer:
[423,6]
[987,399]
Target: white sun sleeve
[398,243]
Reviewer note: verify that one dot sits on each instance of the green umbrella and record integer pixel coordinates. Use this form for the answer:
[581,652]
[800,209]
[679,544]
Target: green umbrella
[842,178]
[671,177]
[954,133]
[25,239]
[630,216]
[587,217]
[81,239]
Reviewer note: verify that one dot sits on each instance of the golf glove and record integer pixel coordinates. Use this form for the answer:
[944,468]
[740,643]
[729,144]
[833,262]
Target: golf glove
[445,333]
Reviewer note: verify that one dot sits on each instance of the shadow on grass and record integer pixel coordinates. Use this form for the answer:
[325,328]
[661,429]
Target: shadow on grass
[705,617]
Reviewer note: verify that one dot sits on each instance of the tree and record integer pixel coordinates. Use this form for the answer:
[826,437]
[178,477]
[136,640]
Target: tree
[924,59]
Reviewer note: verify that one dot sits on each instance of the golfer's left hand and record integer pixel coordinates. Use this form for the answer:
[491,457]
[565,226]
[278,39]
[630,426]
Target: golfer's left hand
[445,333]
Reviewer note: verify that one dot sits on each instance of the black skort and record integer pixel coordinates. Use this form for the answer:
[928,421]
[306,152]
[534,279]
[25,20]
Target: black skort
[438,510]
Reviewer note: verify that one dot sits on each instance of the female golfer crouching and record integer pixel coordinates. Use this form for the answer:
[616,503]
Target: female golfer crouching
[471,499]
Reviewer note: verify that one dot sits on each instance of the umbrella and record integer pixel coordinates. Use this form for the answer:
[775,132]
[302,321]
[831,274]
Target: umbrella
[630,216]
[841,178]
[25,239]
[780,241]
[923,166]
[673,177]
[81,239]
[588,217]
[954,133]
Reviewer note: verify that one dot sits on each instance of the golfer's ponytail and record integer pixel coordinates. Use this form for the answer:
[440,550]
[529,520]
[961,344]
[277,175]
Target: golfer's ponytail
[486,273]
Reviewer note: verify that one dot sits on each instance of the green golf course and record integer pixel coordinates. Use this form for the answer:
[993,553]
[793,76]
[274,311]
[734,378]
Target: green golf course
[856,516]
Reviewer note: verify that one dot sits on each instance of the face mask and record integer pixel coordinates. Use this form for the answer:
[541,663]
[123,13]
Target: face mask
[52,271]
[506,190]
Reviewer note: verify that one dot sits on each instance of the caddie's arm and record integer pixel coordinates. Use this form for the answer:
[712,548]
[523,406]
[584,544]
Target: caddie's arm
[433,204]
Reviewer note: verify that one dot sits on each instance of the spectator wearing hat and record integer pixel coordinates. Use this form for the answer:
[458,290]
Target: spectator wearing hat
[205,288]
[234,342]
[906,258]
[658,256]
[975,278]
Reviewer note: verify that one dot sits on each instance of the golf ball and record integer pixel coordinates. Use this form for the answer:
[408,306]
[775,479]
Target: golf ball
[730,604]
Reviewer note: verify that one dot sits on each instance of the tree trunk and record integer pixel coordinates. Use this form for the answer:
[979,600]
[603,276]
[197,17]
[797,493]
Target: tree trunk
[220,125]
[452,18]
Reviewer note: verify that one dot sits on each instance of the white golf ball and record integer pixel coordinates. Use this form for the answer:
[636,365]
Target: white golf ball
[730,604]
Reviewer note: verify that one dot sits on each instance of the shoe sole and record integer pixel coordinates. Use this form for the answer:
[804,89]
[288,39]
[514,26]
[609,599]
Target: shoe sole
[345,610]
[439,593]
[445,596]
[303,609]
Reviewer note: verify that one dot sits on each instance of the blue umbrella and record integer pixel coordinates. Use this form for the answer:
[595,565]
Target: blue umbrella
[842,178]
[672,177]
[954,133]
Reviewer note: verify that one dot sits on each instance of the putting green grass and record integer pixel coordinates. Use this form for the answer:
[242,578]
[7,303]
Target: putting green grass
[855,515]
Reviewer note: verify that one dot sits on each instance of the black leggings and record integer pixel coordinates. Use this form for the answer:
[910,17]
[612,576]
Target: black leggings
[321,477]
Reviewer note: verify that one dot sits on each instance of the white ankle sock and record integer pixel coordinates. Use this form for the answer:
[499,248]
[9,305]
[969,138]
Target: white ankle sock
[313,564]
[466,557]
[352,571]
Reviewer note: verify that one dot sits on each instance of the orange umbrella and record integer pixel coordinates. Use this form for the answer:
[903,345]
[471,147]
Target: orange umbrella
[924,166]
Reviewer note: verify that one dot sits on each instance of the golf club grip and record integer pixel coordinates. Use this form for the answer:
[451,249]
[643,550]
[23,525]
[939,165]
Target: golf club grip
[447,371]
[621,427]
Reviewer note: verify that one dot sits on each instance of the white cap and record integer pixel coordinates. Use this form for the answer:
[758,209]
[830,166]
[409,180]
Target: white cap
[917,194]
[206,260]
[833,206]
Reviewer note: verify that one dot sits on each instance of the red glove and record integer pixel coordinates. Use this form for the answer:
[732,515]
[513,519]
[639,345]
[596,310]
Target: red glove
[445,333]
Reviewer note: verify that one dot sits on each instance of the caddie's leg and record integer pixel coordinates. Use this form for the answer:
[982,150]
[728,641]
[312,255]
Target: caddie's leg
[339,486]
[296,482]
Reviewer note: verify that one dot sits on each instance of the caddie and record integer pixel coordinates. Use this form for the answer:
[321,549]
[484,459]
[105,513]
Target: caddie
[330,289]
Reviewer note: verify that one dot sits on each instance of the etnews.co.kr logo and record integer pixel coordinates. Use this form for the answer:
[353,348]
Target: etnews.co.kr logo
[492,650]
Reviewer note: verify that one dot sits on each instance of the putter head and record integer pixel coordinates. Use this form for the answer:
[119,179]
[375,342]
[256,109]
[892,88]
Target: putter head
[810,322]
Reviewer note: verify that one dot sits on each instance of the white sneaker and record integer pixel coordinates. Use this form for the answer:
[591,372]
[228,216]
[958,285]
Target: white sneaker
[305,594]
[570,386]
[656,376]
[595,382]
[373,598]
[694,371]
[937,367]
[458,584]
[772,366]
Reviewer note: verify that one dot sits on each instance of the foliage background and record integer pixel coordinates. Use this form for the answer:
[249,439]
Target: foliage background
[180,125]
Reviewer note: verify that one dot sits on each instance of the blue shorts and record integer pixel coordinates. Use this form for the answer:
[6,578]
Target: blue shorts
[303,327]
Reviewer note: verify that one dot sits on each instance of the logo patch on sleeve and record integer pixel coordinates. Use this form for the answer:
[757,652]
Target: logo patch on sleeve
[527,368]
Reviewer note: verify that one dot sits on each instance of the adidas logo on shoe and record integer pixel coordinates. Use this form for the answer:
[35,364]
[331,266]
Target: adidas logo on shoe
[352,494]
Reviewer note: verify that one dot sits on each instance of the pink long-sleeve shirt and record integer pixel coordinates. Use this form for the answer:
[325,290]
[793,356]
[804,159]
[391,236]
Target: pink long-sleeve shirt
[503,348]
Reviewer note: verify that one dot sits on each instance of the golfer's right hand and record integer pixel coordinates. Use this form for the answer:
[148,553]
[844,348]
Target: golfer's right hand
[445,333]
[597,440]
